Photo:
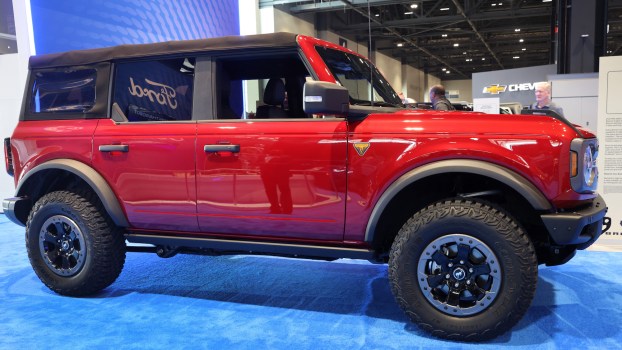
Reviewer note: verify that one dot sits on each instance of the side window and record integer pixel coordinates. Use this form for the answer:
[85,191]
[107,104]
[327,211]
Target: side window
[154,90]
[260,86]
[63,91]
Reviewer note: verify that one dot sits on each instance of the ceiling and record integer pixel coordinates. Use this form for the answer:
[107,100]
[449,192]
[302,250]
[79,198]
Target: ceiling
[451,39]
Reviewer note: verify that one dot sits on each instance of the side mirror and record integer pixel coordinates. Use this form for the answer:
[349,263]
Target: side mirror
[325,98]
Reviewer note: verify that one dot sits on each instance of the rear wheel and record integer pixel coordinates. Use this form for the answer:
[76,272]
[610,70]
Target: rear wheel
[463,270]
[73,246]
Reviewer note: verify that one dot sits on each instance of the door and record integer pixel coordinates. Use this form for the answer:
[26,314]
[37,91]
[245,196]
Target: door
[151,169]
[147,151]
[272,178]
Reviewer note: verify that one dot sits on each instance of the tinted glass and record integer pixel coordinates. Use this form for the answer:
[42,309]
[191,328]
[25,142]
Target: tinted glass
[69,91]
[242,89]
[155,90]
[360,77]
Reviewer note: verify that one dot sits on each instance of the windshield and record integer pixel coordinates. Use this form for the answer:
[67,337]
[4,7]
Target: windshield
[357,75]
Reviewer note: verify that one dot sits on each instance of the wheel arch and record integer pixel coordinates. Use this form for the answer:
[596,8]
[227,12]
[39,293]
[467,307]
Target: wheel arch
[32,183]
[503,175]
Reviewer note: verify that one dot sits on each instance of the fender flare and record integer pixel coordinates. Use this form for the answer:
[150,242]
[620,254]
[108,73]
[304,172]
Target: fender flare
[94,179]
[506,176]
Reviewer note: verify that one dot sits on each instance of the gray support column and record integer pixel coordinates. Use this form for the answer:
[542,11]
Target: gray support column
[585,35]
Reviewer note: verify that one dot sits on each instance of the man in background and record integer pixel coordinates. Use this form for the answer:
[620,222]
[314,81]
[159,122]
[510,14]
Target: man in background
[439,101]
[543,98]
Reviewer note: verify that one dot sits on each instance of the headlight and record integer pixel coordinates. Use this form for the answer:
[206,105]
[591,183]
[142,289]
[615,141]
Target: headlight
[583,170]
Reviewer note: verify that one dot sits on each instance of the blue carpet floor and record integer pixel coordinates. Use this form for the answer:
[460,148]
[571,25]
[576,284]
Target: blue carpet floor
[250,302]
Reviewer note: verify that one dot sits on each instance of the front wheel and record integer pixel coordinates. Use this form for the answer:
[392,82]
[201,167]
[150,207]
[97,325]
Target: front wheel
[73,246]
[463,270]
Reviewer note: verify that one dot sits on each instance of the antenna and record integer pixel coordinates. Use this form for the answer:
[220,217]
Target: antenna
[371,67]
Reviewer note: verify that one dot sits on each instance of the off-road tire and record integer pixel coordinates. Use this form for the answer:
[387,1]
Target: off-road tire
[486,234]
[73,246]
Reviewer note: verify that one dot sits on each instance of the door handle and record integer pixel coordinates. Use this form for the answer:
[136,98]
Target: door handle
[114,148]
[221,148]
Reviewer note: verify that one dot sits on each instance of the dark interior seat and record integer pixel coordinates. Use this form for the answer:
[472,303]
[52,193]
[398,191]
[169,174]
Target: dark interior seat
[273,97]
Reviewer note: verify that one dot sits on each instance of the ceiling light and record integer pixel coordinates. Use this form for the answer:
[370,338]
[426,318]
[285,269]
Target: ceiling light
[444,69]
[447,72]
[444,35]
[493,5]
[400,45]
[517,30]
[456,45]
[444,8]
[524,49]
[483,58]
[500,3]
[521,40]
[377,15]
[464,52]
[516,57]
[414,6]
[547,0]
[408,13]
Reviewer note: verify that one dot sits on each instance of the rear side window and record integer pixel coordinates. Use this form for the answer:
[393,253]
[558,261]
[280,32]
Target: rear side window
[154,90]
[66,91]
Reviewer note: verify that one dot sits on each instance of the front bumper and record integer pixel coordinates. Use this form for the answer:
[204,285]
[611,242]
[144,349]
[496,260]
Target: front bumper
[580,228]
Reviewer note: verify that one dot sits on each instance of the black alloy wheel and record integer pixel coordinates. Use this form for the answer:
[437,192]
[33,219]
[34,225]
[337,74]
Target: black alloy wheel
[73,246]
[463,270]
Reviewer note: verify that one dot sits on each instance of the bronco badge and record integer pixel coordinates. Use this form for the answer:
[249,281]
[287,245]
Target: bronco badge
[361,147]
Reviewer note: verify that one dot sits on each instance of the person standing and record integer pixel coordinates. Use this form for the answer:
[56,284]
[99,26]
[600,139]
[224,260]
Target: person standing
[543,98]
[439,101]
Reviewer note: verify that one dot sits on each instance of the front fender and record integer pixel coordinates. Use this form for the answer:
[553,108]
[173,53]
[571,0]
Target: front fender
[506,176]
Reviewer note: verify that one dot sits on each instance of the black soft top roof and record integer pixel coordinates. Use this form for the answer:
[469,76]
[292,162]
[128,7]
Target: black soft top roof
[83,57]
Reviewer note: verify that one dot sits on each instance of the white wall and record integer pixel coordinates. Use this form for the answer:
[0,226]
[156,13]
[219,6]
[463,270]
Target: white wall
[413,82]
[465,87]
[302,24]
[390,68]
[577,94]
[14,71]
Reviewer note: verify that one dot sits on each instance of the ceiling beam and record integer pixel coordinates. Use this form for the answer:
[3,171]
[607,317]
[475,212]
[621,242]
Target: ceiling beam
[337,5]
[400,36]
[479,36]
[482,16]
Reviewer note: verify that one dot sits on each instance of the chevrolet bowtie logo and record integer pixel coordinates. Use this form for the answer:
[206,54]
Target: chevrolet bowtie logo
[494,89]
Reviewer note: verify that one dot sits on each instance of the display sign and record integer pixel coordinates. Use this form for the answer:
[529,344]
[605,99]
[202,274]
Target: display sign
[610,148]
[511,85]
[495,89]
[486,105]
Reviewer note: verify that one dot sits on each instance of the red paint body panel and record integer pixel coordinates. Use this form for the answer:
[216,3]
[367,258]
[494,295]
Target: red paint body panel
[288,179]
[36,142]
[408,140]
[154,180]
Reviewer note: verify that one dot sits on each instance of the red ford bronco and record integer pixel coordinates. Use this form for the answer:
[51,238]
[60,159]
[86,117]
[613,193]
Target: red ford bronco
[287,145]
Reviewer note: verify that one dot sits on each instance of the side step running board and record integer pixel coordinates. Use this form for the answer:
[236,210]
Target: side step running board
[295,250]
